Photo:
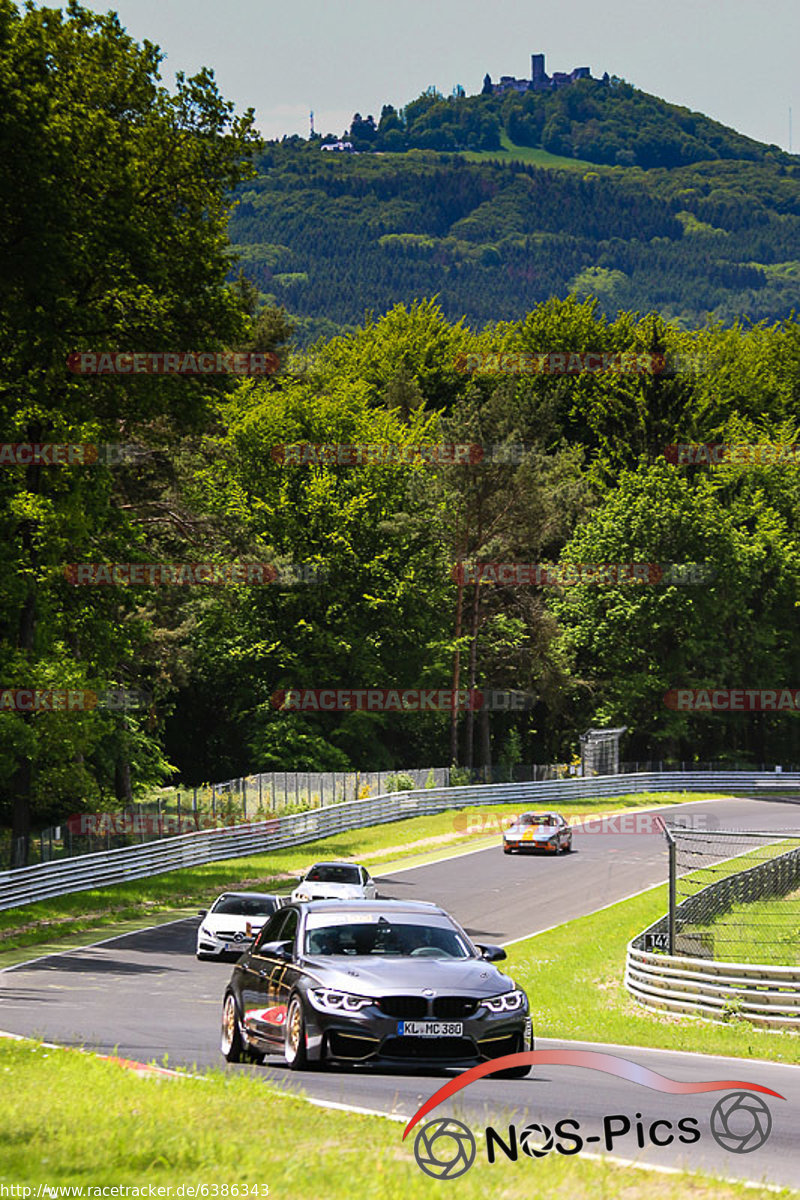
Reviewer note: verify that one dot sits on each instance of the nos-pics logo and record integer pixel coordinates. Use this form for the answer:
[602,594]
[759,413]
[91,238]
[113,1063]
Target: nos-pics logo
[446,1148]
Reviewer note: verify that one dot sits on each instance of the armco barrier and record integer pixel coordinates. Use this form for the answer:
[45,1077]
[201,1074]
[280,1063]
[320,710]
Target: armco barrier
[766,996]
[26,885]
[762,994]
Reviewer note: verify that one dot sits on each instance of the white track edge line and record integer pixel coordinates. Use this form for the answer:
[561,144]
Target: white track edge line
[375,1112]
[591,1156]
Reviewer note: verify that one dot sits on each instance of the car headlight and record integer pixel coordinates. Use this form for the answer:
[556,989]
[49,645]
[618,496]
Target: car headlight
[507,1002]
[329,1000]
[302,896]
[206,932]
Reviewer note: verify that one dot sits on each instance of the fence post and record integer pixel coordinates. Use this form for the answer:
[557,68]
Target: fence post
[672,888]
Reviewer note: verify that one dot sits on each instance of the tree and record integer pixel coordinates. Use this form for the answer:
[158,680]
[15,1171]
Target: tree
[113,210]
[632,642]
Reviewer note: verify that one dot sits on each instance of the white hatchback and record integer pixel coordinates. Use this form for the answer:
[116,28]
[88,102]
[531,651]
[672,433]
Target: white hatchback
[336,881]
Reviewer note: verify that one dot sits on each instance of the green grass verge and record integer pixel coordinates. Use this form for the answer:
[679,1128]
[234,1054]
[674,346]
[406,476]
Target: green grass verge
[237,1130]
[574,976]
[534,157]
[54,924]
[763,931]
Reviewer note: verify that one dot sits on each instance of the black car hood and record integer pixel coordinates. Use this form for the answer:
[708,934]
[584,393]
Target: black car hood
[366,975]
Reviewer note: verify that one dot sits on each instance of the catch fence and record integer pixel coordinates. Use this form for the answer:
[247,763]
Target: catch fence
[729,946]
[735,895]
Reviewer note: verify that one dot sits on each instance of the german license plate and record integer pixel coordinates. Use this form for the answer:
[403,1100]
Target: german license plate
[429,1028]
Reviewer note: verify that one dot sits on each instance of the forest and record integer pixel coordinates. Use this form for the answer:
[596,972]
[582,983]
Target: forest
[333,237]
[374,579]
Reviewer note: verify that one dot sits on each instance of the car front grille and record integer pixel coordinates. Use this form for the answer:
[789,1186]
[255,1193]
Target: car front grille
[452,1008]
[405,1048]
[418,1008]
[405,1008]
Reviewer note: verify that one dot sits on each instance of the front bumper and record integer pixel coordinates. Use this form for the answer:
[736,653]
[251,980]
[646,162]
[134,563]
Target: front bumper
[222,948]
[373,1037]
[520,844]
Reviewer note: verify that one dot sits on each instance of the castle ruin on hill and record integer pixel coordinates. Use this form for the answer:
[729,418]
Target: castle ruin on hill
[540,81]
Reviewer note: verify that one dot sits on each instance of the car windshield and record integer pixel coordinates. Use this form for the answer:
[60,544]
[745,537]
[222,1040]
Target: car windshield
[394,939]
[537,819]
[333,874]
[245,906]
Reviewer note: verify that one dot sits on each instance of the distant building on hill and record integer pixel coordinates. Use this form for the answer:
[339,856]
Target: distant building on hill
[347,147]
[540,81]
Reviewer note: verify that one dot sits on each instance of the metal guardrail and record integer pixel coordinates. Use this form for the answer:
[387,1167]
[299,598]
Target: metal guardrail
[26,885]
[765,995]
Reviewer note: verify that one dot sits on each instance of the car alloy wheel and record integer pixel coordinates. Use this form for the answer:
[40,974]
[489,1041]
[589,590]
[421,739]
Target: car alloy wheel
[231,1039]
[295,1051]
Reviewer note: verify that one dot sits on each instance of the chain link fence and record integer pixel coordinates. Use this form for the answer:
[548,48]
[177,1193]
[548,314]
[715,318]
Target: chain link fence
[257,797]
[734,896]
[245,799]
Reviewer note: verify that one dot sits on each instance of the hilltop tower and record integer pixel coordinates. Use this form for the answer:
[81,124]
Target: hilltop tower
[538,76]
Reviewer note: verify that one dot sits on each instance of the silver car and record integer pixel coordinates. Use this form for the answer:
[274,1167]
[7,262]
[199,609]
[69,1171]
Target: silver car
[545,831]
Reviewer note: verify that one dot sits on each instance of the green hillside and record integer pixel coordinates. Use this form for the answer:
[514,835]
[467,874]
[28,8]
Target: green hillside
[332,236]
[606,121]
[534,156]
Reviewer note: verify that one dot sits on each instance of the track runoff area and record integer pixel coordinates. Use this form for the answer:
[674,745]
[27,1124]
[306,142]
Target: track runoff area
[143,995]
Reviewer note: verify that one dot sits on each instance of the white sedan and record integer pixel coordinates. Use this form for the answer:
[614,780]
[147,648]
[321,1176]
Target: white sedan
[231,924]
[336,881]
[546,831]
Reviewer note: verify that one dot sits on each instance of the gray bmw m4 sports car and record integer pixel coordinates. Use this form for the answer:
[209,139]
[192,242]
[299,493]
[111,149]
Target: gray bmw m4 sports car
[372,982]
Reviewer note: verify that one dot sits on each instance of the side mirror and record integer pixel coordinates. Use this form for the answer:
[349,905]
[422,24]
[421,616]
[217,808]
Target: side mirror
[492,953]
[203,912]
[280,950]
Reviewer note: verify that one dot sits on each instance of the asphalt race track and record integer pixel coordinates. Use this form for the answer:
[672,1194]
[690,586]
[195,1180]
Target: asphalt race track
[144,995]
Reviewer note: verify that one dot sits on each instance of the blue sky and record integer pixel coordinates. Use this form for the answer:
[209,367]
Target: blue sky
[735,60]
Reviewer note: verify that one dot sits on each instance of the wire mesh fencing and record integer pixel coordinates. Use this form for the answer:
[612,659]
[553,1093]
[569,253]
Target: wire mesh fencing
[735,895]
